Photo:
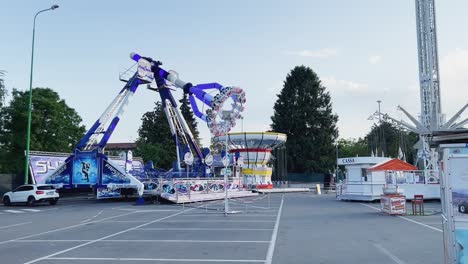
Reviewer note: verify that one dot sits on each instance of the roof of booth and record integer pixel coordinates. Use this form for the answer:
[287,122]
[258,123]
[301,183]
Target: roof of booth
[394,165]
[252,140]
[353,161]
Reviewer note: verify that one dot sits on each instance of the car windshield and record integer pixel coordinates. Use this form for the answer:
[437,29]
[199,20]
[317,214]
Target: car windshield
[46,187]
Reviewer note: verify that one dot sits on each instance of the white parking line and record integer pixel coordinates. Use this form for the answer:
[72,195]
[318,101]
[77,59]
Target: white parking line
[147,211]
[418,223]
[271,248]
[206,229]
[407,219]
[125,221]
[240,215]
[222,220]
[13,211]
[24,210]
[92,217]
[252,206]
[31,210]
[388,253]
[63,228]
[166,260]
[47,240]
[25,223]
[106,237]
[139,241]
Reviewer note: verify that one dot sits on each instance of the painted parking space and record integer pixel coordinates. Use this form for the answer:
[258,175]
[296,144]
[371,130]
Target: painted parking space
[214,237]
[296,229]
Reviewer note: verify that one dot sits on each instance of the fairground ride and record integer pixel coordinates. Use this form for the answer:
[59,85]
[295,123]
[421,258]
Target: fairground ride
[431,119]
[253,153]
[89,167]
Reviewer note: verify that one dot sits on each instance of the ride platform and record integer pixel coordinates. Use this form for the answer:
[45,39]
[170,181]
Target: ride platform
[202,197]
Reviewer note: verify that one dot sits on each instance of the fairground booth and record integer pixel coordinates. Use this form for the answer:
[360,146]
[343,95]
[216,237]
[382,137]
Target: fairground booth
[367,176]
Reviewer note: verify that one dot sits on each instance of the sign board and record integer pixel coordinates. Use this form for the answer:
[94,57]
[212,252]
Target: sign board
[103,193]
[226,171]
[128,161]
[60,176]
[85,168]
[454,198]
[393,204]
[112,175]
[361,160]
[40,166]
[144,70]
[43,165]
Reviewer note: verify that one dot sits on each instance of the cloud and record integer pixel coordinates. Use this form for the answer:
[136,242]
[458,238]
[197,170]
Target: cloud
[414,88]
[321,53]
[375,59]
[343,86]
[454,81]
[454,67]
[353,102]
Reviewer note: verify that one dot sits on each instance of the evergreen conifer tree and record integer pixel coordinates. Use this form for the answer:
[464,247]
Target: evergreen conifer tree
[155,141]
[187,113]
[303,111]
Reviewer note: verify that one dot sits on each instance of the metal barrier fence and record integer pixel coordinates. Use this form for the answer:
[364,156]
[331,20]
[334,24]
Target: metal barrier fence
[364,188]
[412,177]
[395,178]
[184,188]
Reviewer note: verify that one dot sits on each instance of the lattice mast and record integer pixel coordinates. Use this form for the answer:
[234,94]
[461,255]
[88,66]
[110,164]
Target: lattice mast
[431,118]
[429,82]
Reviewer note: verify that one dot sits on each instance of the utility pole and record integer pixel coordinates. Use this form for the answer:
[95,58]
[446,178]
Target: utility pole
[380,117]
[28,131]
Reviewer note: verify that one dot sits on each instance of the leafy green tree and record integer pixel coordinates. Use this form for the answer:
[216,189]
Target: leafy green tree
[54,126]
[388,138]
[353,147]
[2,101]
[303,111]
[216,147]
[187,113]
[3,91]
[154,139]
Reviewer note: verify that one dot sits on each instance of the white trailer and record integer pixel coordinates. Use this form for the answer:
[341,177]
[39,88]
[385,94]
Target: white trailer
[358,185]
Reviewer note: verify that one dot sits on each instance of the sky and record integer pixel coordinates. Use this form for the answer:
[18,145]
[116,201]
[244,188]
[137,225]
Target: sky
[362,50]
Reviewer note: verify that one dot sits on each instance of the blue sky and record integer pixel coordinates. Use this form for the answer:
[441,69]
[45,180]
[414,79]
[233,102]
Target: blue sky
[362,50]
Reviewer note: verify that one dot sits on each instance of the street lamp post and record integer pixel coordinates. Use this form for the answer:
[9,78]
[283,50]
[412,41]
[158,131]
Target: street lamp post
[28,137]
[336,169]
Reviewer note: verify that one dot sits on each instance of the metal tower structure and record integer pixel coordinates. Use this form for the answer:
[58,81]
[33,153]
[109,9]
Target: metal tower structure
[431,118]
[431,115]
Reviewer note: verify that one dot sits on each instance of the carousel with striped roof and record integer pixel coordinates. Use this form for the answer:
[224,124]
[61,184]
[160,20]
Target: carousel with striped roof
[252,151]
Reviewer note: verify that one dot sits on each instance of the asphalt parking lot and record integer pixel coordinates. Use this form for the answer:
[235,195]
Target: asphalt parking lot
[290,228]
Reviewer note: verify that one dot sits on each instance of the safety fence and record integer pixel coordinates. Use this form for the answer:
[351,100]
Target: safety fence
[412,177]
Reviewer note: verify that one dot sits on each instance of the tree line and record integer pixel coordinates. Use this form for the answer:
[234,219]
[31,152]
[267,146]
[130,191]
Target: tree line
[57,127]
[303,110]
[385,139]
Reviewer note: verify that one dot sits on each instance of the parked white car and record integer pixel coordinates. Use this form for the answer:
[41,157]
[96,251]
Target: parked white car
[32,194]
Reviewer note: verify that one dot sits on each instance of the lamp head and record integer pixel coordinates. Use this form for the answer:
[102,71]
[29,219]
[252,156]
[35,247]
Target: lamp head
[54,7]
